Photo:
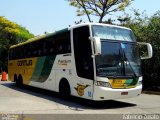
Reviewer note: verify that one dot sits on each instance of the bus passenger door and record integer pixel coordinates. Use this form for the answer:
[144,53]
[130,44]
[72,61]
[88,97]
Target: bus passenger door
[83,62]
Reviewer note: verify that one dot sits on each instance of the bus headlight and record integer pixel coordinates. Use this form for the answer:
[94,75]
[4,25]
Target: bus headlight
[103,84]
[139,83]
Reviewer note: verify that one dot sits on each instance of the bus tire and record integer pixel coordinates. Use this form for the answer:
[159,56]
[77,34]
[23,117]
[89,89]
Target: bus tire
[19,81]
[64,89]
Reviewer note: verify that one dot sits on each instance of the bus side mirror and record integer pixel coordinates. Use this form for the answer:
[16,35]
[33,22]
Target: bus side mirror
[97,45]
[146,50]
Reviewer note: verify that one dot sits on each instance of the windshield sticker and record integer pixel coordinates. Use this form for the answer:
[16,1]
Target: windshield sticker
[123,45]
[80,89]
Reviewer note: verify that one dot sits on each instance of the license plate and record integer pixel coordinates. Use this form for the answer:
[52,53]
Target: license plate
[124,93]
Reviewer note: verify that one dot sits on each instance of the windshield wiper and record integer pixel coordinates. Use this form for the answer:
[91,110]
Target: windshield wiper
[119,65]
[130,66]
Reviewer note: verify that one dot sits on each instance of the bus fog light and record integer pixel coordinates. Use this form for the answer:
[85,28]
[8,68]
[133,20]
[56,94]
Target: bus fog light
[103,84]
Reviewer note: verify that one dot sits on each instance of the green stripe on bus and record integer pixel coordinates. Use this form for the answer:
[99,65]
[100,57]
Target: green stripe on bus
[48,64]
[38,69]
[43,68]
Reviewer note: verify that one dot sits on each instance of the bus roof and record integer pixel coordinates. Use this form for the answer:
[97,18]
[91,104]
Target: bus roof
[64,30]
[100,24]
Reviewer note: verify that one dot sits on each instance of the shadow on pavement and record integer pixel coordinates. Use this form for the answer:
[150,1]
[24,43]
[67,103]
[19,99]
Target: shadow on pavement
[73,103]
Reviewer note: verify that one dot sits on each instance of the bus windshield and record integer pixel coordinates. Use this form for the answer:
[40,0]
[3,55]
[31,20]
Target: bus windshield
[113,33]
[118,60]
[119,53]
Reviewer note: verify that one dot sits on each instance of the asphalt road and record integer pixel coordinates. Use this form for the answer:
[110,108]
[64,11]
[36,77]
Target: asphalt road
[30,100]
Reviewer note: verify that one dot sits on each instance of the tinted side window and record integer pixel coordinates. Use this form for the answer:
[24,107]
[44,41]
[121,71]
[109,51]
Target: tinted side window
[56,44]
[63,43]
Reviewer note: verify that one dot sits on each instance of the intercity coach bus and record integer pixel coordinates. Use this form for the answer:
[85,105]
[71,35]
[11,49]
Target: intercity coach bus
[90,60]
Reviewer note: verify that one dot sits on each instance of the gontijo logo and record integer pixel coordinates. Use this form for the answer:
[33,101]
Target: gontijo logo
[24,63]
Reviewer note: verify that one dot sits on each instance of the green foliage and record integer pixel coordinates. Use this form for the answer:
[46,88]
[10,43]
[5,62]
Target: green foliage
[99,8]
[152,67]
[148,30]
[10,34]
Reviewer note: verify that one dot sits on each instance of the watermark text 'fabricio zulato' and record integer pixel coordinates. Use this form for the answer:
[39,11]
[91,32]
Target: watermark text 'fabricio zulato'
[141,116]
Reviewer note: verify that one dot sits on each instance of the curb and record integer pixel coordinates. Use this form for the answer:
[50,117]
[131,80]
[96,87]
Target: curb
[151,92]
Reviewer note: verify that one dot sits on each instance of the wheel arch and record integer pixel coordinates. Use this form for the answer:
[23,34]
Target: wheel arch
[64,81]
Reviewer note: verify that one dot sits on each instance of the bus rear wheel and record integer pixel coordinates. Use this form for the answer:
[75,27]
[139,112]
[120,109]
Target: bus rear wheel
[19,81]
[64,89]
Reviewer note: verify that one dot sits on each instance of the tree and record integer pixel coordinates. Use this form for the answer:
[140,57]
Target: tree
[99,8]
[10,34]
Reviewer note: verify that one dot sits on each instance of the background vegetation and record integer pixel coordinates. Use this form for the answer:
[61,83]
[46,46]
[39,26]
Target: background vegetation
[99,8]
[10,34]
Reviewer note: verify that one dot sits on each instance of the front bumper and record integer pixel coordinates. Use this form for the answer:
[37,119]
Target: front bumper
[104,93]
